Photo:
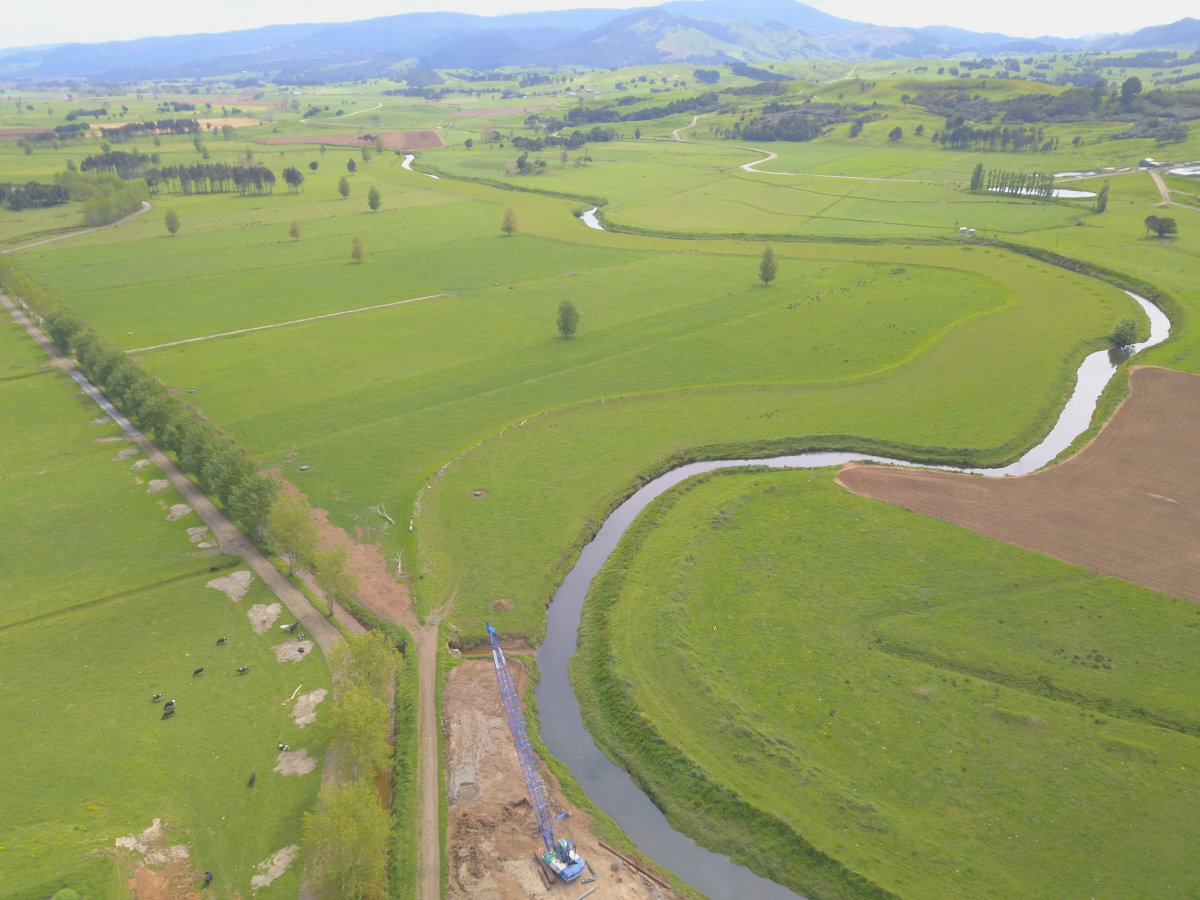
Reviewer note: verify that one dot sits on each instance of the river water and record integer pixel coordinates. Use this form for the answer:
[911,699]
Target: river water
[610,787]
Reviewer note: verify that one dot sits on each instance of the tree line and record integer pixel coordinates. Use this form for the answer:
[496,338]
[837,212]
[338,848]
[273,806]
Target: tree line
[997,138]
[196,178]
[223,470]
[32,195]
[1002,181]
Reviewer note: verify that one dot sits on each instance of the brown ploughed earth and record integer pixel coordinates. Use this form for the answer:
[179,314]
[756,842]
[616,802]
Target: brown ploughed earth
[1127,505]
[392,140]
[492,833]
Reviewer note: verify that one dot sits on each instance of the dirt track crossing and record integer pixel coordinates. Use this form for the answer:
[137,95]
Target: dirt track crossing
[1128,505]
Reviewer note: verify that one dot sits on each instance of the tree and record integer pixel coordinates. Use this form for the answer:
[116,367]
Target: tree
[172,221]
[344,186]
[360,727]
[1166,226]
[366,154]
[346,841]
[369,659]
[351,166]
[1124,334]
[1130,88]
[767,267]
[312,166]
[1102,198]
[295,230]
[292,531]
[509,223]
[469,143]
[294,178]
[374,198]
[359,251]
[895,134]
[1151,223]
[335,576]
[568,318]
[250,502]
[977,177]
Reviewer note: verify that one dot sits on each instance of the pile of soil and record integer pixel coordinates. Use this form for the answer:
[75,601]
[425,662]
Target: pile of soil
[293,651]
[493,834]
[160,872]
[262,616]
[234,585]
[304,709]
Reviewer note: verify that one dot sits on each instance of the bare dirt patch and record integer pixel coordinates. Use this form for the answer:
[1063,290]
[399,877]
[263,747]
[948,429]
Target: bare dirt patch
[197,534]
[391,140]
[304,709]
[1128,505]
[497,111]
[158,484]
[235,121]
[493,834]
[127,453]
[294,762]
[234,585]
[274,866]
[140,464]
[292,651]
[263,615]
[178,511]
[161,872]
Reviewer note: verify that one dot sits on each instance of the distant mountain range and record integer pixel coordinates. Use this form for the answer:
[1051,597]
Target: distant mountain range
[703,32]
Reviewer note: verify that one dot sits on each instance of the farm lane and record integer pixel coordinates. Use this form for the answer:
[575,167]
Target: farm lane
[343,312]
[1165,192]
[230,538]
[146,207]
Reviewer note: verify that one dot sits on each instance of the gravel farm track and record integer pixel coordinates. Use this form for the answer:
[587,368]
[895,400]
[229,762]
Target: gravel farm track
[1127,505]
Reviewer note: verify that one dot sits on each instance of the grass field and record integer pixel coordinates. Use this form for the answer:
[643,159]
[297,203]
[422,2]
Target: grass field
[505,445]
[105,605]
[894,672]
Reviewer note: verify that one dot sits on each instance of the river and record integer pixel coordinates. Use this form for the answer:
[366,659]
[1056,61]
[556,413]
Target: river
[610,787]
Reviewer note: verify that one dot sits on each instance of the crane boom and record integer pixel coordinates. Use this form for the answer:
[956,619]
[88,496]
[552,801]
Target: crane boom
[560,855]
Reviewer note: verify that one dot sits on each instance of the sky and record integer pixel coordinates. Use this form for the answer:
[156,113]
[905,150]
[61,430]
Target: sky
[34,22]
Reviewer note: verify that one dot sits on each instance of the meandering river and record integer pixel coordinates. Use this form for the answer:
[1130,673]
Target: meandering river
[610,787]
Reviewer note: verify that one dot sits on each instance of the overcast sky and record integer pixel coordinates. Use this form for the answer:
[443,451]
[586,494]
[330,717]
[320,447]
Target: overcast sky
[31,22]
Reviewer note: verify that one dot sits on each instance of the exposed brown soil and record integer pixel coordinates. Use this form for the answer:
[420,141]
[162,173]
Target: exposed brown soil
[1128,505]
[235,121]
[392,140]
[492,834]
[497,111]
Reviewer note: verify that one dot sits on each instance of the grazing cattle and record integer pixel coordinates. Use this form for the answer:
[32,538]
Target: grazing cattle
[291,627]
[199,671]
[250,783]
[243,670]
[300,650]
[207,879]
[221,640]
[168,704]
[284,747]
[156,698]
[168,712]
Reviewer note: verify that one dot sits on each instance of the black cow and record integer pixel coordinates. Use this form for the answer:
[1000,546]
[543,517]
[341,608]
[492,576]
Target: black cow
[250,783]
[156,698]
[168,712]
[243,670]
[199,671]
[221,640]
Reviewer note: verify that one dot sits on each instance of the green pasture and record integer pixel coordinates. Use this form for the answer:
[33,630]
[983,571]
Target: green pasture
[939,713]
[105,605]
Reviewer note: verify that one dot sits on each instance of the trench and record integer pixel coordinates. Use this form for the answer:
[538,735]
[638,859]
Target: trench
[612,788]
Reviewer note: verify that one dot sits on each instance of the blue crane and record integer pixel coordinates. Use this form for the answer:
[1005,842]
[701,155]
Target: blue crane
[560,856]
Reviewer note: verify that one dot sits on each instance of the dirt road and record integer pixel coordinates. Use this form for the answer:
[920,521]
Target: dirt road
[146,207]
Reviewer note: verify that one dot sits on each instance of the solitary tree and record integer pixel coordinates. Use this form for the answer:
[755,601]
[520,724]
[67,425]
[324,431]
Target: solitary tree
[568,318]
[1161,225]
[767,267]
[469,143]
[366,154]
[312,166]
[1102,198]
[172,221]
[351,166]
[895,134]
[509,223]
[374,198]
[295,230]
[346,841]
[1124,334]
[344,187]
[359,252]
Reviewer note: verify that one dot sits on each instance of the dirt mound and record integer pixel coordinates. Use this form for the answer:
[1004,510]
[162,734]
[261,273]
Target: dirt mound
[127,453]
[493,834]
[158,484]
[178,511]
[1128,505]
[160,872]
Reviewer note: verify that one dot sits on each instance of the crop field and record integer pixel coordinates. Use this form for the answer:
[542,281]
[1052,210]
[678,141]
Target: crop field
[910,682]
[428,380]
[105,605]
